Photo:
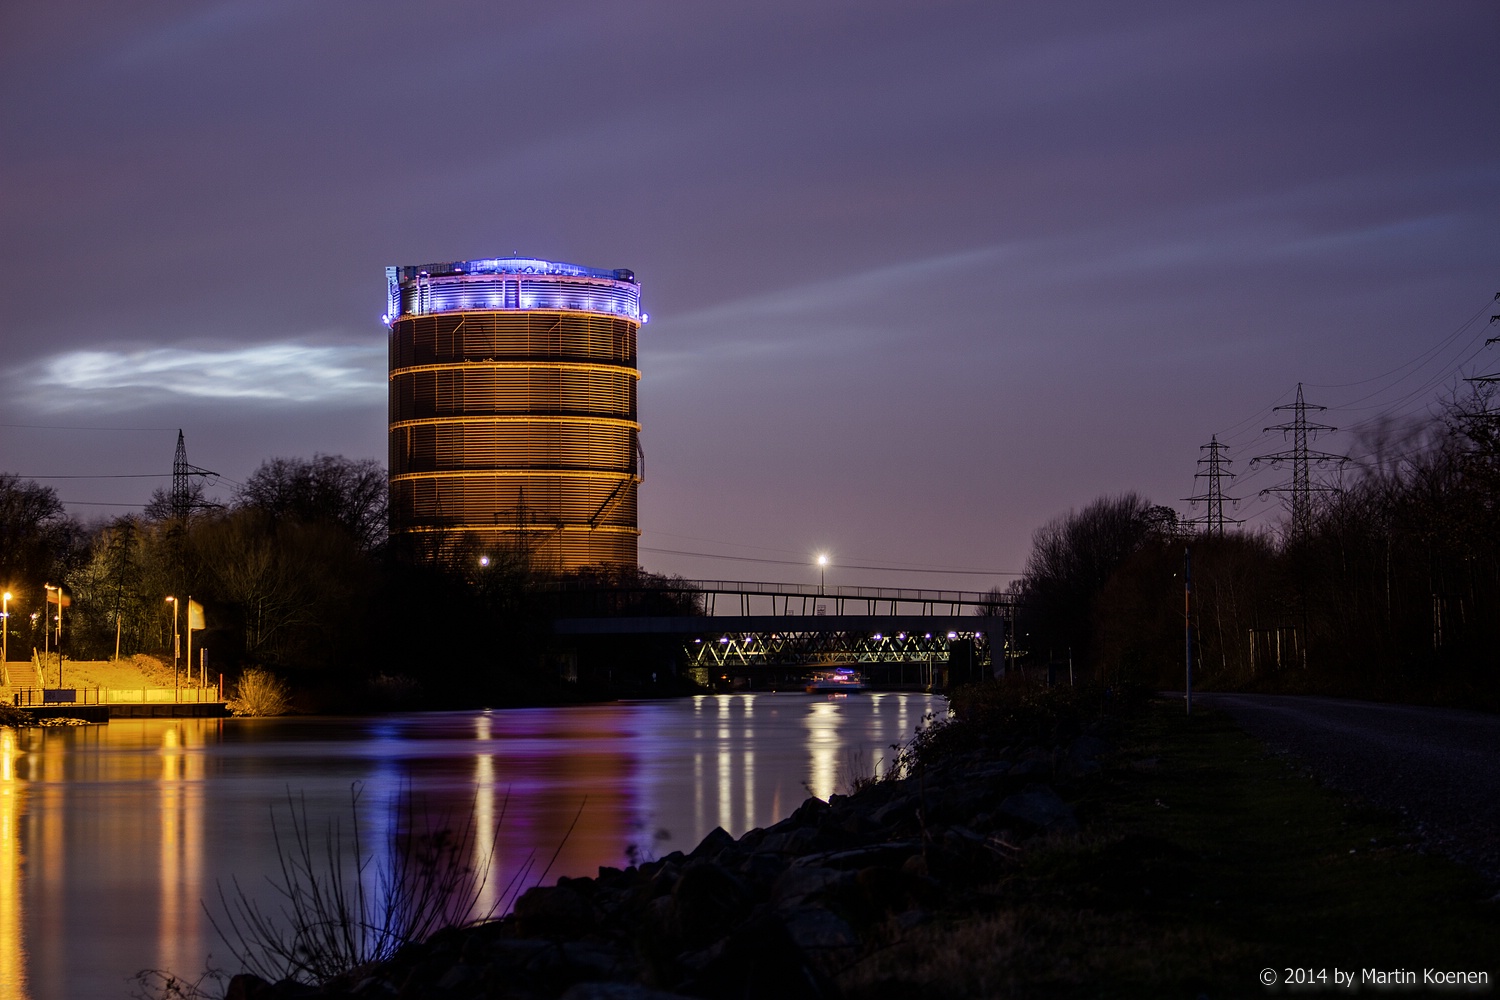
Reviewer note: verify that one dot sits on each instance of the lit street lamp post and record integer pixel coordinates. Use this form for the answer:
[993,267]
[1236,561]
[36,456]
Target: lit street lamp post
[187,661]
[822,572]
[5,636]
[176,639]
[59,591]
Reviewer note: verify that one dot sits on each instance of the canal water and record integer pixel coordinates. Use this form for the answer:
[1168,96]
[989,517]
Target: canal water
[113,838]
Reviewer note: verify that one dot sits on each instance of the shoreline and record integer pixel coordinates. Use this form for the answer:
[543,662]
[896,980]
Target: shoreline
[1061,843]
[783,909]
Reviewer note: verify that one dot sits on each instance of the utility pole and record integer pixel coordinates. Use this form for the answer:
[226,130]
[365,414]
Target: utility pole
[1187,623]
[1301,458]
[1213,518]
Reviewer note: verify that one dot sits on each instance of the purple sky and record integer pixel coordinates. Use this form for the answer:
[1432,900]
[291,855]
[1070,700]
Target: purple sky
[922,276]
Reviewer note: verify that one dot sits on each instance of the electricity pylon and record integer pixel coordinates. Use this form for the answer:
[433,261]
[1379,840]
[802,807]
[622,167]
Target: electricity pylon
[184,498]
[1213,518]
[1301,488]
[1492,376]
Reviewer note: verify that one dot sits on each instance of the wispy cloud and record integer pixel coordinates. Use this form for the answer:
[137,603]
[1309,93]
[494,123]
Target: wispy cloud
[201,26]
[275,374]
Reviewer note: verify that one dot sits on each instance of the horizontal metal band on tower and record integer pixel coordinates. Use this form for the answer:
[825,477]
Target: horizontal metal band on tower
[518,418]
[522,336]
[609,475]
[534,529]
[542,363]
[460,390]
[517,446]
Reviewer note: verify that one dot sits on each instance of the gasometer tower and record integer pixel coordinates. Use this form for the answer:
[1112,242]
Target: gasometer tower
[513,423]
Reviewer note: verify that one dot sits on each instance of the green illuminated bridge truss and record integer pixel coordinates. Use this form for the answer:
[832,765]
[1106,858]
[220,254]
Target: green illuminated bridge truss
[752,625]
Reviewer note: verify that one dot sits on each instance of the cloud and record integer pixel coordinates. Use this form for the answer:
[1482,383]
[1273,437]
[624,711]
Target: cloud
[270,375]
[203,26]
[882,305]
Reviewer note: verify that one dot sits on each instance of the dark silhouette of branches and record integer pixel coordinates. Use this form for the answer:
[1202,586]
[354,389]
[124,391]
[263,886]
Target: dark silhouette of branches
[344,905]
[326,489]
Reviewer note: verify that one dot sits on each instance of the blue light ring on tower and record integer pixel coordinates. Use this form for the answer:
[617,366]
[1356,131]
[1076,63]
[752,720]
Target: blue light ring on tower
[507,284]
[507,265]
[553,295]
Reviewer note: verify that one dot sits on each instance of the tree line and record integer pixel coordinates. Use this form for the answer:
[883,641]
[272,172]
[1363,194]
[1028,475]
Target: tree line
[293,542]
[1392,591]
[295,574]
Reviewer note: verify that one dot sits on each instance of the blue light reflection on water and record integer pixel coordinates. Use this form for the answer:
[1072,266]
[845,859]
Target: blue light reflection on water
[114,836]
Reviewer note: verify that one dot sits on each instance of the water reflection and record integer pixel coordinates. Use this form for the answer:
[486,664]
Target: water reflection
[485,816]
[823,746]
[180,844]
[12,805]
[113,836]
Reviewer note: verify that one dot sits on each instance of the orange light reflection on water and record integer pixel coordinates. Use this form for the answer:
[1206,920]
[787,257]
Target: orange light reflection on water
[180,879]
[12,937]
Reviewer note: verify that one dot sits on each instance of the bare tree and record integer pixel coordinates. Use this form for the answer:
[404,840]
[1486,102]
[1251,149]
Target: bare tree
[1072,558]
[34,530]
[328,489]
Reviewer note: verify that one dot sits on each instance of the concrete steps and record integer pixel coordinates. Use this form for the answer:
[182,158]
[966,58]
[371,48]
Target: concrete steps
[19,674]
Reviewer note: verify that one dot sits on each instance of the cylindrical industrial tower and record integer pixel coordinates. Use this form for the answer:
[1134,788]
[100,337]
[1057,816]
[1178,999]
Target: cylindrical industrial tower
[512,411]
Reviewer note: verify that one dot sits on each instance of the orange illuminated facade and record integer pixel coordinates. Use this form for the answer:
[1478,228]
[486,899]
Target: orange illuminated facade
[513,423]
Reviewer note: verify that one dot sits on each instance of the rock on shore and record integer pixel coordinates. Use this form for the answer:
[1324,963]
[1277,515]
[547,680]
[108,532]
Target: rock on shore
[777,913]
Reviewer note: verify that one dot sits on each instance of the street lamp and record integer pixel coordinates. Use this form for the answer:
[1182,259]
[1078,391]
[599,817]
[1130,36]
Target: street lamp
[61,603]
[5,636]
[176,639]
[822,571]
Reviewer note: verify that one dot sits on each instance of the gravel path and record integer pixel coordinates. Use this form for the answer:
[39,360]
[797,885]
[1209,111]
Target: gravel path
[1439,767]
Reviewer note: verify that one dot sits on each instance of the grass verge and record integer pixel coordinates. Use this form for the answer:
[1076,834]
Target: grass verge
[132,673]
[1204,861]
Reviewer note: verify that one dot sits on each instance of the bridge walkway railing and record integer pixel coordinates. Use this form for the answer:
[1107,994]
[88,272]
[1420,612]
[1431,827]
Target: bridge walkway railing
[791,599]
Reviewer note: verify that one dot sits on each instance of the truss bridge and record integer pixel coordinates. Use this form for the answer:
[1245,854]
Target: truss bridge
[773,632]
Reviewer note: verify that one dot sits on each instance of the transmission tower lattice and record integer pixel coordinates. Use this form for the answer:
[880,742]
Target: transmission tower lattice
[184,500]
[1492,376]
[1301,488]
[1213,518]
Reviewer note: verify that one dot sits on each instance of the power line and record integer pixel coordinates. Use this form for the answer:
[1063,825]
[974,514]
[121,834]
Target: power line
[99,503]
[1451,354]
[1418,361]
[1494,376]
[56,427]
[137,475]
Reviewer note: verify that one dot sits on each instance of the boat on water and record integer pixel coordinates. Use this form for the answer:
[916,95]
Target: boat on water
[842,680]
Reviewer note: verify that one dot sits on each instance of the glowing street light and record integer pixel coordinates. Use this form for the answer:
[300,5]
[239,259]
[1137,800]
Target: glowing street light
[176,638]
[5,636]
[822,572]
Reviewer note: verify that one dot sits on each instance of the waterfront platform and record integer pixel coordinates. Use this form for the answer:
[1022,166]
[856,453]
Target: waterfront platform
[107,712]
